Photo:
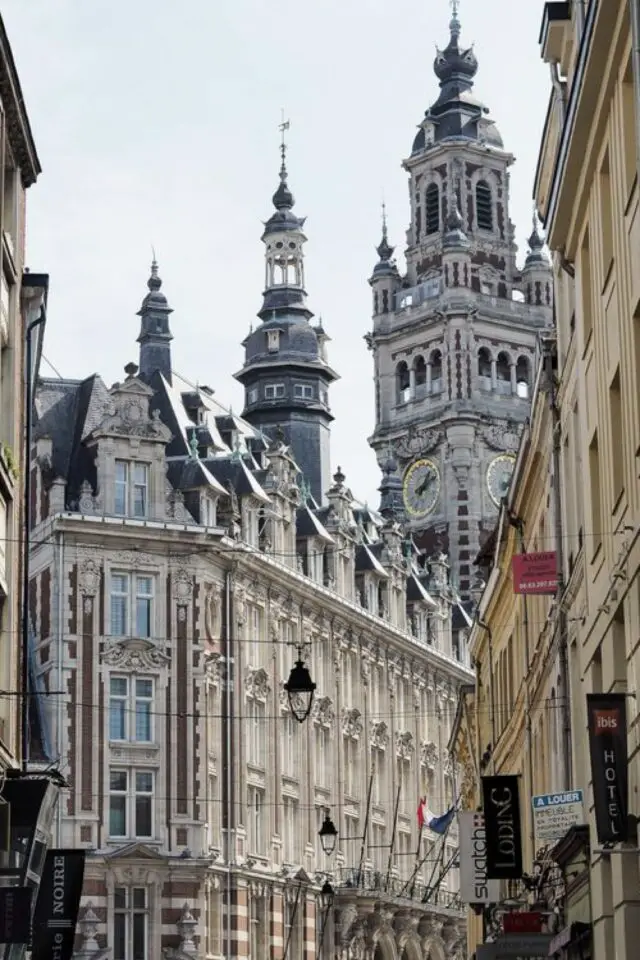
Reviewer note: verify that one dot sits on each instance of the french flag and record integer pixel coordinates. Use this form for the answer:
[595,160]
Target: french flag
[427,819]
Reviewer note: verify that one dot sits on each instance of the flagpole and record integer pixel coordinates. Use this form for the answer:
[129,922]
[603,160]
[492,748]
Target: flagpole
[393,837]
[415,872]
[366,826]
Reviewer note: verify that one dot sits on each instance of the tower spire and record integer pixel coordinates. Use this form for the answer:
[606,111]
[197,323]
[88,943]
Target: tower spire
[384,249]
[283,126]
[155,334]
[454,23]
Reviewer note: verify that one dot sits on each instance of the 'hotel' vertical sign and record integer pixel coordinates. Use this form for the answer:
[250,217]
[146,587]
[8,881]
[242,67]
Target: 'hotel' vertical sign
[607,719]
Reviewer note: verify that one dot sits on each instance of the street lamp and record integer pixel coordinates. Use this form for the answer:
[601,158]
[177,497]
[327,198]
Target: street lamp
[300,690]
[328,834]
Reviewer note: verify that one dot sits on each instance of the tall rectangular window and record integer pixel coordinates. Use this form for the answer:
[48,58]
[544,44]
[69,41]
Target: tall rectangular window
[131,495]
[256,820]
[131,803]
[617,437]
[253,645]
[379,788]
[351,772]
[131,605]
[290,746]
[257,928]
[130,923]
[596,494]
[130,709]
[586,289]
[256,732]
[606,217]
[290,844]
[322,756]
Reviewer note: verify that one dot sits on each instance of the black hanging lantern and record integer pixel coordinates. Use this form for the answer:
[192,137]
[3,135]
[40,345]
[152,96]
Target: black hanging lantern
[300,690]
[327,893]
[328,834]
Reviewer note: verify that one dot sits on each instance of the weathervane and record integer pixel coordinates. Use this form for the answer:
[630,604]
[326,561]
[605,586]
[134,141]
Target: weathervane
[454,8]
[283,126]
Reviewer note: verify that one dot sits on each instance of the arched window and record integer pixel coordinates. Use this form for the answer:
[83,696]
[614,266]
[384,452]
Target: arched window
[484,363]
[436,371]
[432,205]
[420,373]
[503,373]
[402,382]
[522,377]
[484,206]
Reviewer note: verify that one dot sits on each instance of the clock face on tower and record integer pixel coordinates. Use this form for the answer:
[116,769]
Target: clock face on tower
[421,487]
[499,476]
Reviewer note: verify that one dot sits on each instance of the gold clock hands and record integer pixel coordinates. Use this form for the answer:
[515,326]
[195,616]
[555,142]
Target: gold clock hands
[426,483]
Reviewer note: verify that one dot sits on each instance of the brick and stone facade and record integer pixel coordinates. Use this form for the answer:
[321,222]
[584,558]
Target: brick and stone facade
[180,566]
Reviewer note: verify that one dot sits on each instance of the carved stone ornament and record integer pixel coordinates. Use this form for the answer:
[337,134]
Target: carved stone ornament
[212,612]
[428,754]
[89,575]
[128,415]
[447,765]
[256,684]
[352,723]
[182,586]
[175,507]
[379,736]
[133,655]
[501,436]
[417,442]
[134,559]
[322,711]
[87,503]
[404,745]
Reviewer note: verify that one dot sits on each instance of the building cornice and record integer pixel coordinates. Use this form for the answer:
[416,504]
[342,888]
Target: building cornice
[18,127]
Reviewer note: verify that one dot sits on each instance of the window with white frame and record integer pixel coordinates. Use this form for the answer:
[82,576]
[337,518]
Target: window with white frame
[208,511]
[290,746]
[131,605]
[257,928]
[131,489]
[351,775]
[274,391]
[256,732]
[403,769]
[290,845]
[273,340]
[130,923]
[323,748]
[303,391]
[131,803]
[214,925]
[253,640]
[252,395]
[379,771]
[256,813]
[130,709]
[378,851]
[404,854]
[293,915]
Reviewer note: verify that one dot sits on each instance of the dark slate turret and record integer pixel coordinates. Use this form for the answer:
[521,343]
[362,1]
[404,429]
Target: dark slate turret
[456,112]
[155,335]
[285,374]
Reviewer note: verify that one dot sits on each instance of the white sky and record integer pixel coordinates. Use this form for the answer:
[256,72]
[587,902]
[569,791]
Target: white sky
[156,123]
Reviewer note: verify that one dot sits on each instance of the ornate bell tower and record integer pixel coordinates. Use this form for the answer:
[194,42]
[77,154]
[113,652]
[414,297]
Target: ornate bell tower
[454,339]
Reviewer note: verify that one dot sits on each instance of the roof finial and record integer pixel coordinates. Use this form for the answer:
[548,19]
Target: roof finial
[454,24]
[384,221]
[154,282]
[283,126]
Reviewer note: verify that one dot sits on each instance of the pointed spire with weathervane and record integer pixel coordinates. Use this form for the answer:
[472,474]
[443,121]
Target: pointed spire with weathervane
[155,334]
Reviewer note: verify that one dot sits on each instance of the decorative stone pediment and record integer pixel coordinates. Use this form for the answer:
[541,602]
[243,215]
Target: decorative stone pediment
[404,745]
[500,436]
[133,654]
[129,416]
[379,736]
[352,723]
[256,684]
[417,442]
[428,754]
[322,711]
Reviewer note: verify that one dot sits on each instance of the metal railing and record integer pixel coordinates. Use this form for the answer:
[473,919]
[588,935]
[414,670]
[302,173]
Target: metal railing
[377,882]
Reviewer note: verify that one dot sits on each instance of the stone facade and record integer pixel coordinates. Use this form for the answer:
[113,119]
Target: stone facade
[180,566]
[454,339]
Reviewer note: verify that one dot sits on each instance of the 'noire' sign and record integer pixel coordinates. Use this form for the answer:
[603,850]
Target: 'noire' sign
[503,830]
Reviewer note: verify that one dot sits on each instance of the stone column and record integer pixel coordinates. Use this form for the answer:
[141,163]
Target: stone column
[412,383]
[514,386]
[429,377]
[494,373]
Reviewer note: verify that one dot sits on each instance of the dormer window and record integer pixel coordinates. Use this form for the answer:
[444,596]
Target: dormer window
[131,489]
[252,395]
[273,341]
[208,511]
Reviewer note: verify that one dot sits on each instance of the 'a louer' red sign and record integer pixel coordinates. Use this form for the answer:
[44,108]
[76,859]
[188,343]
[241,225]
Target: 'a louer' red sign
[522,922]
[535,572]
